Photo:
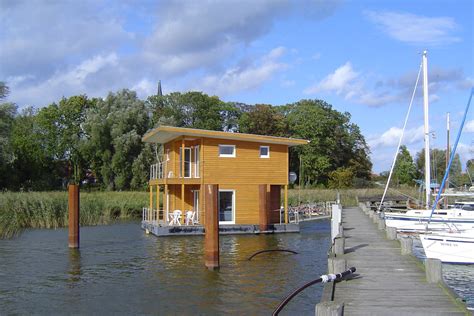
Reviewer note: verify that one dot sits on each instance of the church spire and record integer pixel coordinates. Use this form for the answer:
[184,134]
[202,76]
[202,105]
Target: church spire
[159,92]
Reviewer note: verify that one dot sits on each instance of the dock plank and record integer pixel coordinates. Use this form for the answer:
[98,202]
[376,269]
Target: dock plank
[387,283]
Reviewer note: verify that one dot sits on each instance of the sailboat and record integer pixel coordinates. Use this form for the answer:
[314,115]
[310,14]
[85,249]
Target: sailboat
[421,220]
[449,247]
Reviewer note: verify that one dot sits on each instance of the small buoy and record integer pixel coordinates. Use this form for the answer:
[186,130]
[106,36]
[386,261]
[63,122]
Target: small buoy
[147,231]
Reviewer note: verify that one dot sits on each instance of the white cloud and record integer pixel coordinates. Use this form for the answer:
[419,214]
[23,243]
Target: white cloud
[245,78]
[469,126]
[415,29]
[66,83]
[342,81]
[44,43]
[368,89]
[350,84]
[391,137]
[145,88]
[39,38]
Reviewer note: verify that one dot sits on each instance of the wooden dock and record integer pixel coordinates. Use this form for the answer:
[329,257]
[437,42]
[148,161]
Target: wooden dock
[386,282]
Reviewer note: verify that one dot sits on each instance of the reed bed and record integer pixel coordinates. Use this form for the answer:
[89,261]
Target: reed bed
[20,210]
[348,196]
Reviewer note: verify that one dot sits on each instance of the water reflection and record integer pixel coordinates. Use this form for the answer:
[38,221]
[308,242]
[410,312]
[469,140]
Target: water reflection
[74,266]
[120,270]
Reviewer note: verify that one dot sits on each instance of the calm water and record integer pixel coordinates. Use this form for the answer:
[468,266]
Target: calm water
[457,276]
[121,270]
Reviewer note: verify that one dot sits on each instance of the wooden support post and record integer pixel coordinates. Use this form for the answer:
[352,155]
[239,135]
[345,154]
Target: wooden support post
[167,203]
[182,204]
[182,173]
[263,207]
[157,202]
[391,233]
[381,224]
[330,308]
[151,199]
[211,239]
[339,243]
[407,245]
[73,206]
[337,264]
[286,204]
[434,270]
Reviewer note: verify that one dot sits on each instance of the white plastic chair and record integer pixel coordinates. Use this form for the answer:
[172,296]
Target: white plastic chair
[190,217]
[175,218]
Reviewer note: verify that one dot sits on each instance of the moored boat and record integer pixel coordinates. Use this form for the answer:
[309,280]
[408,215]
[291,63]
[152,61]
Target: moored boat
[450,247]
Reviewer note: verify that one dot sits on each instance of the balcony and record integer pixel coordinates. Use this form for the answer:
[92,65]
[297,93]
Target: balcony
[162,171]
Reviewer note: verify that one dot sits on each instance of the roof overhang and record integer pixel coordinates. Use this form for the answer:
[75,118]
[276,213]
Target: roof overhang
[165,134]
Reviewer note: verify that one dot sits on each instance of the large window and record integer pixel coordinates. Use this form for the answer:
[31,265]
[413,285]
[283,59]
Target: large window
[187,162]
[264,151]
[196,162]
[226,206]
[226,150]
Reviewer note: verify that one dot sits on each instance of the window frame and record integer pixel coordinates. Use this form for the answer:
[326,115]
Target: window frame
[268,152]
[233,155]
[232,222]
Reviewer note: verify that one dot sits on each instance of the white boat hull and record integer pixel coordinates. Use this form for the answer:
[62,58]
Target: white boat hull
[415,224]
[449,248]
[442,220]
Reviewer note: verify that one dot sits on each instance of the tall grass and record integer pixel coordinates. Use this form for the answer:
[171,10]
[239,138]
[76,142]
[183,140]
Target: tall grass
[348,196]
[20,210]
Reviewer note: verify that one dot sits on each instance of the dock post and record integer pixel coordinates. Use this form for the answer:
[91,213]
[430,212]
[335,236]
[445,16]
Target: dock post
[336,265]
[339,244]
[336,220]
[73,207]
[391,233]
[211,239]
[434,270]
[381,224]
[263,206]
[330,308]
[376,218]
[407,245]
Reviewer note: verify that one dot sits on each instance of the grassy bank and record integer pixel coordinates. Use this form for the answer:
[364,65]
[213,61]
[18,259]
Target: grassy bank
[348,196]
[49,209]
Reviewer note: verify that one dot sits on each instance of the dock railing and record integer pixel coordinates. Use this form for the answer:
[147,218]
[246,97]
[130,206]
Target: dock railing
[149,215]
[310,211]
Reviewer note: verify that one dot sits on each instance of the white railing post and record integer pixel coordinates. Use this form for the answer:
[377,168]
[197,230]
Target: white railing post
[335,220]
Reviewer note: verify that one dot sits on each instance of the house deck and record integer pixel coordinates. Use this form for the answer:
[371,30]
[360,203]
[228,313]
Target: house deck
[160,230]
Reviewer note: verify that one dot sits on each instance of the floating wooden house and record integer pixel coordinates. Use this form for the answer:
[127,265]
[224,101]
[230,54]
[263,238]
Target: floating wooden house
[238,163]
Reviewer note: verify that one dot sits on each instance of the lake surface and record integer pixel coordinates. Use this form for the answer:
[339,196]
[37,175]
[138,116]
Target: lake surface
[121,270]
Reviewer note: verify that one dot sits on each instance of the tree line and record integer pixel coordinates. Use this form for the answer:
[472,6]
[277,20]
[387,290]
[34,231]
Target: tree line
[83,140]
[409,171]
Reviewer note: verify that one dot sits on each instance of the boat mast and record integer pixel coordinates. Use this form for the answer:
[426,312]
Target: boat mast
[447,159]
[426,130]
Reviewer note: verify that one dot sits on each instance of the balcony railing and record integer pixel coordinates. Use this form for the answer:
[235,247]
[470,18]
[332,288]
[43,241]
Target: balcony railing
[160,170]
[157,171]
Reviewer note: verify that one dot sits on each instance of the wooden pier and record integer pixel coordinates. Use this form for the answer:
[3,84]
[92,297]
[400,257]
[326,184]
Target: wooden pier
[386,282]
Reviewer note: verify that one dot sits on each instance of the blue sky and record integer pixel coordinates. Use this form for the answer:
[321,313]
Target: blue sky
[360,56]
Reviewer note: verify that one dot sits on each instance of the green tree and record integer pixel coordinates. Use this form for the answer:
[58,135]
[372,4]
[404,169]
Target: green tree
[438,166]
[262,119]
[335,142]
[61,126]
[404,171]
[115,127]
[190,109]
[7,116]
[341,178]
